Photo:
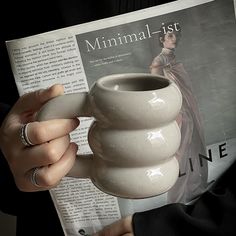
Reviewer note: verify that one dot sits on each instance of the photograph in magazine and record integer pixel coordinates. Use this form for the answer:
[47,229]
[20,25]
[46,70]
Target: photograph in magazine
[198,54]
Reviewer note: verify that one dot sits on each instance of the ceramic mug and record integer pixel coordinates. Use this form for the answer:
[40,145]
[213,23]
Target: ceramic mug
[134,136]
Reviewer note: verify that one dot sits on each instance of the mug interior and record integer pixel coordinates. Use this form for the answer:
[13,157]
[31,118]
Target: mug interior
[143,83]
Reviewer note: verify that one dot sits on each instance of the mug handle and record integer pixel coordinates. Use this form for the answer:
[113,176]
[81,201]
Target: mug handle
[66,107]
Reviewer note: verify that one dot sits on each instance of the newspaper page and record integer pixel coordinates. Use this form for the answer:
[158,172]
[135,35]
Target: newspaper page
[202,63]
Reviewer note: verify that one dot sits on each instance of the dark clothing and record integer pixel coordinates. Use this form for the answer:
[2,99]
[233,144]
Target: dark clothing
[213,214]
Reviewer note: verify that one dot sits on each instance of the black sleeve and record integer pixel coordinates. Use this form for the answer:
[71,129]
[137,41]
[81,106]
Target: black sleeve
[214,213]
[8,190]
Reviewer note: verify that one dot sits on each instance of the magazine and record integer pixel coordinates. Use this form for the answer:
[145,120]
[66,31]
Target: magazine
[201,62]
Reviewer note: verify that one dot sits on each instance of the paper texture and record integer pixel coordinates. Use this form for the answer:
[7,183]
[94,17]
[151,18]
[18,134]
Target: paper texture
[203,63]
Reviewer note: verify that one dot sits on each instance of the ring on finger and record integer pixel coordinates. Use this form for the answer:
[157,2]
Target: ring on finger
[33,177]
[24,135]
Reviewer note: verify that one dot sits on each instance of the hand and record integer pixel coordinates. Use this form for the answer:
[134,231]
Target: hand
[52,154]
[122,227]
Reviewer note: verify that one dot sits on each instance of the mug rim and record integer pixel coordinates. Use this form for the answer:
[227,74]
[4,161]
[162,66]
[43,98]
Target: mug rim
[127,76]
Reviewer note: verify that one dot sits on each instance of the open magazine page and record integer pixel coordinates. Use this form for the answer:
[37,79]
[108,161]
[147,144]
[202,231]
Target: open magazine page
[201,63]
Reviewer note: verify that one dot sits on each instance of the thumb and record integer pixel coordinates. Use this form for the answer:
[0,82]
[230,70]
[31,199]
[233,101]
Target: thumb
[32,102]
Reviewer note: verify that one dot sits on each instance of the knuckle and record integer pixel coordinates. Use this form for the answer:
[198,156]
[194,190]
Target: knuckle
[22,188]
[48,180]
[51,154]
[73,124]
[39,133]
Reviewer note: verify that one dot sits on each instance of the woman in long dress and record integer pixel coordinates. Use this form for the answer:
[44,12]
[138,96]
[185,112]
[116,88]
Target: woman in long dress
[193,168]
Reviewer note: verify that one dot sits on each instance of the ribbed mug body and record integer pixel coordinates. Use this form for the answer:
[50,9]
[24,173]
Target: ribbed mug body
[134,136]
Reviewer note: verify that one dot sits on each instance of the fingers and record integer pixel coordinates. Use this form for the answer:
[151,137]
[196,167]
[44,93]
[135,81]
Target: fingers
[48,155]
[27,105]
[38,97]
[41,132]
[49,176]
[52,152]
[122,227]
[38,132]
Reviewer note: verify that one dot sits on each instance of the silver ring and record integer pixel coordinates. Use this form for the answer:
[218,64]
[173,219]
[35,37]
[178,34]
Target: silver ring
[24,136]
[33,177]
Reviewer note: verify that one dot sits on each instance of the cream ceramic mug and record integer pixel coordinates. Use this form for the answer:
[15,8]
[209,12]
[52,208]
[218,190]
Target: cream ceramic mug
[134,136]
